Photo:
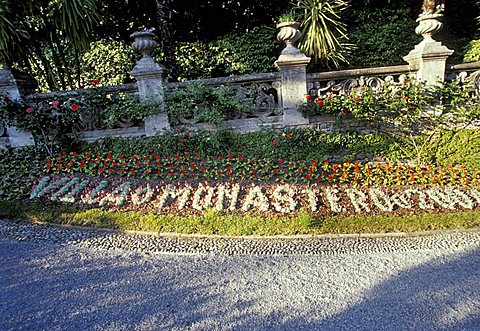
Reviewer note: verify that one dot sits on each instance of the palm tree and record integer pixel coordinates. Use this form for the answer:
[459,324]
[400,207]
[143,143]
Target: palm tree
[48,35]
[165,35]
[324,34]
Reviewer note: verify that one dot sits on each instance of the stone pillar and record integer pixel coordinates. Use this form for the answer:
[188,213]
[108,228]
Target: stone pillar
[15,85]
[149,77]
[429,55]
[292,64]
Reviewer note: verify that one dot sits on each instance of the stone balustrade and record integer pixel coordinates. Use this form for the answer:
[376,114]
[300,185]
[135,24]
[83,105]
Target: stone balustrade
[275,96]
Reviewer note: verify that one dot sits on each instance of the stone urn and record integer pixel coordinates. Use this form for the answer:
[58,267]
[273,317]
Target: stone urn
[289,32]
[144,43]
[429,25]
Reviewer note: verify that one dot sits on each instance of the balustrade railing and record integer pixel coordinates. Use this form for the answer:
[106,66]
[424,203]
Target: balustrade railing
[260,90]
[467,73]
[344,81]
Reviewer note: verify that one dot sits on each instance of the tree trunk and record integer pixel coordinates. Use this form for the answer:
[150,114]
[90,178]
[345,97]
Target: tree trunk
[164,31]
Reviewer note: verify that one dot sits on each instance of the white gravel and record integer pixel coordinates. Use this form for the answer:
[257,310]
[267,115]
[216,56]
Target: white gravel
[47,285]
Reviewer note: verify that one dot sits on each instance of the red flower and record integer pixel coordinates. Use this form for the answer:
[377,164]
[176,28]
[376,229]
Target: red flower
[74,107]
[357,99]
[95,81]
[29,110]
[220,158]
[273,142]
[181,140]
[307,176]
[314,163]
[308,97]
[100,170]
[319,102]
[230,175]
[289,135]
[56,104]
[405,97]
[230,157]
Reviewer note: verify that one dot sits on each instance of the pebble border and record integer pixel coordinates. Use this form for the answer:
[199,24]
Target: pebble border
[153,243]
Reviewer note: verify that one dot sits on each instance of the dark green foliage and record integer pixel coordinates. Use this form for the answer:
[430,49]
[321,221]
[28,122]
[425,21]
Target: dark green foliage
[382,34]
[457,148]
[19,169]
[382,42]
[235,53]
[292,144]
[472,51]
[203,104]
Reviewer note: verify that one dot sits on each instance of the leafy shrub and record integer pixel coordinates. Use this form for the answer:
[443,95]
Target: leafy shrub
[294,144]
[50,123]
[453,148]
[201,103]
[372,32]
[235,53]
[472,51]
[127,107]
[109,61]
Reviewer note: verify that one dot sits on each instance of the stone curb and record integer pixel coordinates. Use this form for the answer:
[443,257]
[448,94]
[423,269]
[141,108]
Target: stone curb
[185,244]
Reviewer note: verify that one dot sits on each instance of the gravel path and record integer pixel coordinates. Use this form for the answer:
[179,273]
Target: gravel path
[66,279]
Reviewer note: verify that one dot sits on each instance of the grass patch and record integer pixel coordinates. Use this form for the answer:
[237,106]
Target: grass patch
[212,222]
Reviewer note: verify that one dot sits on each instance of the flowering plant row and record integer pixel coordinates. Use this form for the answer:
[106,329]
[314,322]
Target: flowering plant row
[405,102]
[238,168]
[237,197]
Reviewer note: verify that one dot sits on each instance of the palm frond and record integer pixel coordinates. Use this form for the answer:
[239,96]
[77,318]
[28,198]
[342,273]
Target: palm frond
[324,34]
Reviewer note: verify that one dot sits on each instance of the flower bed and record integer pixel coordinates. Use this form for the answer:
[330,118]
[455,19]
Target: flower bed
[182,197]
[234,168]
